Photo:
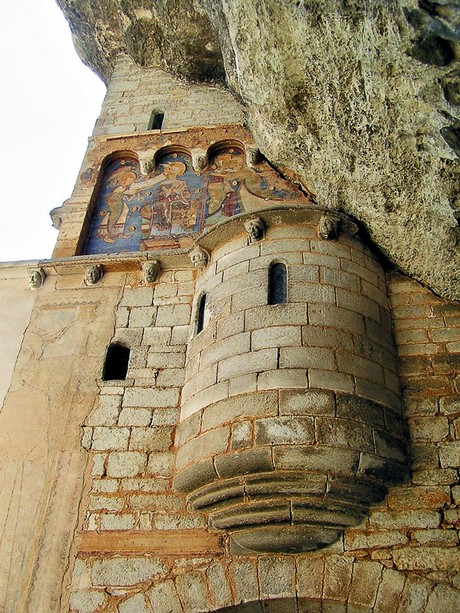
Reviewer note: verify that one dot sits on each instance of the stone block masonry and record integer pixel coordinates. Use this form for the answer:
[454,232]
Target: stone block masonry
[404,551]
[287,457]
[134,93]
[130,430]
[339,338]
[331,340]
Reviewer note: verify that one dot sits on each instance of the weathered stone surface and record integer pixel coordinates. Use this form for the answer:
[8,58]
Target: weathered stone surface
[219,588]
[277,577]
[424,558]
[244,576]
[125,571]
[337,577]
[135,604]
[126,464]
[382,147]
[193,592]
[443,598]
[365,583]
[164,598]
[389,591]
[86,601]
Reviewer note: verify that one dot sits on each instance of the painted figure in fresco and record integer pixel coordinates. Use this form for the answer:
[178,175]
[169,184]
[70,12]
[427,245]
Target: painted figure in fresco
[113,224]
[134,212]
[169,210]
[233,188]
[223,186]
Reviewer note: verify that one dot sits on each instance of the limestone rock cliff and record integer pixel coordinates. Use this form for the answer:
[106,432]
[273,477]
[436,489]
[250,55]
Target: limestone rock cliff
[359,99]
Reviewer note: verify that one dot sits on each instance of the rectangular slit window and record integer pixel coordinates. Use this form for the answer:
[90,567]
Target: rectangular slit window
[277,284]
[200,318]
[156,121]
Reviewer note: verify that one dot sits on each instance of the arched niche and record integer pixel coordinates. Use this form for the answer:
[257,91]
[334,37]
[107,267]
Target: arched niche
[109,229]
[235,188]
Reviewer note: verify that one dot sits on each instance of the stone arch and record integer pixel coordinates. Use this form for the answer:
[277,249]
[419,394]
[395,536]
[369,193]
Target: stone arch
[169,150]
[107,215]
[223,145]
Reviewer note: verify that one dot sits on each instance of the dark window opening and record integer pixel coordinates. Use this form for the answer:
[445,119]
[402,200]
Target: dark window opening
[116,362]
[200,318]
[277,284]
[156,121]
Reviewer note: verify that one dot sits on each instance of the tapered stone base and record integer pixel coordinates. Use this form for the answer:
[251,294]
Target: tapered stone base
[285,511]
[282,538]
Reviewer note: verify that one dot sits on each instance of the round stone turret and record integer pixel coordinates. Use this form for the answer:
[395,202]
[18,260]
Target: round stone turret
[291,424]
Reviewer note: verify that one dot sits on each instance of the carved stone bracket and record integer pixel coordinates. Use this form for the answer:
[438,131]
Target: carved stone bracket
[36,278]
[328,227]
[151,271]
[255,228]
[56,217]
[199,161]
[199,257]
[146,162]
[93,274]
[252,157]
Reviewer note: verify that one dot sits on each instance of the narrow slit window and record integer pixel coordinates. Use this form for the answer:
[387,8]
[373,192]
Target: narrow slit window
[200,317]
[277,284]
[116,362]
[156,120]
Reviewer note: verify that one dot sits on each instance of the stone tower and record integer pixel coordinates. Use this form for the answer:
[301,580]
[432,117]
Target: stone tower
[220,398]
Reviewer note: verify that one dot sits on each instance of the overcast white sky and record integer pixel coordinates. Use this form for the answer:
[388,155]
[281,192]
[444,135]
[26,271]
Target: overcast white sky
[49,102]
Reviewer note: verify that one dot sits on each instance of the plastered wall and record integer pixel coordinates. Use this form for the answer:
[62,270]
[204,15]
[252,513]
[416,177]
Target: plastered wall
[53,387]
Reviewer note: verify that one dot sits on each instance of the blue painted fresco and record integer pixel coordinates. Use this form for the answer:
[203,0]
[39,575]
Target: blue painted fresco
[137,213]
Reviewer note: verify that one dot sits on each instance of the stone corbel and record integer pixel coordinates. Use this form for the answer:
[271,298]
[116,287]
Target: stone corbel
[56,215]
[199,257]
[328,227]
[146,162]
[252,157]
[36,278]
[255,229]
[199,160]
[93,274]
[151,271]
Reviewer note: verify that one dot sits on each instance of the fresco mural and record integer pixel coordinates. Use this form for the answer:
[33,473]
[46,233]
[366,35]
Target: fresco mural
[137,213]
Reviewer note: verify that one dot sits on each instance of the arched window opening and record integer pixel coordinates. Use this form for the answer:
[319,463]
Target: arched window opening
[156,120]
[200,315]
[277,284]
[116,362]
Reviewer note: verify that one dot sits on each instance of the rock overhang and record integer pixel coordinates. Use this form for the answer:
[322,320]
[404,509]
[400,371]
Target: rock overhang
[361,103]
